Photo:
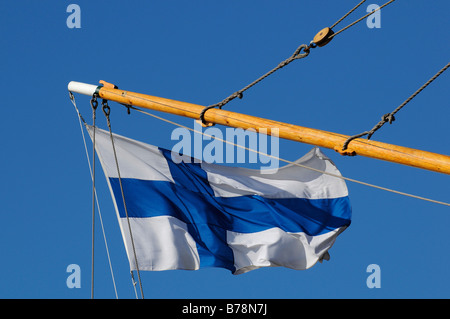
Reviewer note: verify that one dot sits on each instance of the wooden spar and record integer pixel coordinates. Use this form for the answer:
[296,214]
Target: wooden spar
[368,148]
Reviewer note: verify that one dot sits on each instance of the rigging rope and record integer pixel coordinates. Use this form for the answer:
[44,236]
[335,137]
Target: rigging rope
[389,117]
[94,105]
[293,163]
[360,19]
[106,111]
[81,119]
[295,56]
[347,14]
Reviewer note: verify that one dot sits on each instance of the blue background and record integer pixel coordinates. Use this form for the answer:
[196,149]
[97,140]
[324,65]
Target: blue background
[201,52]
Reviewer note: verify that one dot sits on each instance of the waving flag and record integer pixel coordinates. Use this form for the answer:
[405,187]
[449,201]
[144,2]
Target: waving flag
[187,215]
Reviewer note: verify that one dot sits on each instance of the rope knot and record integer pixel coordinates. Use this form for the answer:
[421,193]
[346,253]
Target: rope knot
[389,117]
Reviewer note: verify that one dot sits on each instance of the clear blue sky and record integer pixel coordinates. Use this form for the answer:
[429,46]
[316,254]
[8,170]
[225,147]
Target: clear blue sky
[200,52]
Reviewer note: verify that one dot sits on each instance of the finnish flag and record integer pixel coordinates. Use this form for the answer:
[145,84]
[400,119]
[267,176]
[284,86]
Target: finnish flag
[188,215]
